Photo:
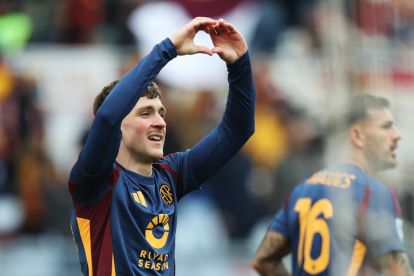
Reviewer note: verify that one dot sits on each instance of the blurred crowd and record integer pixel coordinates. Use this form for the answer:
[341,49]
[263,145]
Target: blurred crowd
[308,55]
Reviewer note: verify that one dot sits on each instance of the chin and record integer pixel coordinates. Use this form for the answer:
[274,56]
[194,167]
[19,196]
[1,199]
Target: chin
[393,164]
[157,155]
[388,165]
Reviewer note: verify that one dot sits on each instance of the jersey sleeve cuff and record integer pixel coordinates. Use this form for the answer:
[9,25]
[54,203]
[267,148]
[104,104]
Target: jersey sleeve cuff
[169,48]
[241,62]
[240,68]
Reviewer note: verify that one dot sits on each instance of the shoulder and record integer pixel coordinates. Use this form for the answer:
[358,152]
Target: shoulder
[385,195]
[381,198]
[170,164]
[377,187]
[169,160]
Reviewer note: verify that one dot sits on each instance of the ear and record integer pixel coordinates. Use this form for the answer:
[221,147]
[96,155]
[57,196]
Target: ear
[356,136]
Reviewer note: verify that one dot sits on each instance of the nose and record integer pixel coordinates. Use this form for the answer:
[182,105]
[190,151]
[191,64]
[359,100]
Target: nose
[396,135]
[159,121]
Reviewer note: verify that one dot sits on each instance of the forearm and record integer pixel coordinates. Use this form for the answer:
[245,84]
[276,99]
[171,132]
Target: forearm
[395,264]
[133,85]
[268,258]
[271,268]
[236,126]
[239,113]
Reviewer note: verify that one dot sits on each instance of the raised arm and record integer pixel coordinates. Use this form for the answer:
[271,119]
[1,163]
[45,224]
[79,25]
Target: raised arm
[237,124]
[268,258]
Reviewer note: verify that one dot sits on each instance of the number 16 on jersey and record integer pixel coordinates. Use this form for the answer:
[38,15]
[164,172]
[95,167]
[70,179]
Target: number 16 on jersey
[312,221]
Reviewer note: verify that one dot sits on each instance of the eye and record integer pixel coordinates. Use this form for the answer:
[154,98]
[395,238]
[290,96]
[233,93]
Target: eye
[145,114]
[387,125]
[162,113]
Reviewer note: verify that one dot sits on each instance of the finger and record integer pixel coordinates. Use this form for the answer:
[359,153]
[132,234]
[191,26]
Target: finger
[202,19]
[198,22]
[213,33]
[220,26]
[230,28]
[203,50]
[225,26]
[219,29]
[221,21]
[217,50]
[207,28]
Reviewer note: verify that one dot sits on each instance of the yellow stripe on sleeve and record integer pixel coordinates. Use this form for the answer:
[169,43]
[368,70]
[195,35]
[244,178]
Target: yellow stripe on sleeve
[85,233]
[113,267]
[358,256]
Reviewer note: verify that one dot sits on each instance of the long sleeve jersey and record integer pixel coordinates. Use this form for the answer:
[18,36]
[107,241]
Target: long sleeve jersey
[125,223]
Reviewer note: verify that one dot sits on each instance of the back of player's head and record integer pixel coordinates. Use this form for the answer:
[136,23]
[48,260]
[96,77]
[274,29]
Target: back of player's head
[360,104]
[152,92]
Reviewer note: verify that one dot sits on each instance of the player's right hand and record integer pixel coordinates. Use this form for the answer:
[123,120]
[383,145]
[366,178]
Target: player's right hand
[183,39]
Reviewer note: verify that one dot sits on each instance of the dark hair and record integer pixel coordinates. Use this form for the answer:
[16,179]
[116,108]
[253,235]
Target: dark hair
[152,92]
[360,104]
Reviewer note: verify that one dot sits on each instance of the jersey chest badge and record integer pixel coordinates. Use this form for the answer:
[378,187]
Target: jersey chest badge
[166,193]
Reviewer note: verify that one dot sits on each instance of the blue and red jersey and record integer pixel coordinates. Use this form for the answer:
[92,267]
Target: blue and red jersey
[339,221]
[125,223]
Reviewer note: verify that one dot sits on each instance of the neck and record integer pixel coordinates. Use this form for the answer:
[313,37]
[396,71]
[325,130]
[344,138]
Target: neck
[358,159]
[130,164]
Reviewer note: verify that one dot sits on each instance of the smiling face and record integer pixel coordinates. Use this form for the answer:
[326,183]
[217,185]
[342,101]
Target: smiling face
[143,131]
[379,139]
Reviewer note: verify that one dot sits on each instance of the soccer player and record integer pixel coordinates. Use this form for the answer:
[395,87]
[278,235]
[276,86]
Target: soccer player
[342,220]
[124,191]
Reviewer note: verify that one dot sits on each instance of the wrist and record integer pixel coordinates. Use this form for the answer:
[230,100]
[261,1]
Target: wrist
[173,40]
[238,60]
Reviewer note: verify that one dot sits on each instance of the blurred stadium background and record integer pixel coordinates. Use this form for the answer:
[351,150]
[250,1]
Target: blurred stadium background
[308,56]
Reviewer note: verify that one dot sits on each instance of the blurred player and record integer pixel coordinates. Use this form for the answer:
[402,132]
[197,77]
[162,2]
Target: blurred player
[124,191]
[342,220]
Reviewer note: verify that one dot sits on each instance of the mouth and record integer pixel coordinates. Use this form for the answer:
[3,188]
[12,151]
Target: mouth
[157,138]
[393,150]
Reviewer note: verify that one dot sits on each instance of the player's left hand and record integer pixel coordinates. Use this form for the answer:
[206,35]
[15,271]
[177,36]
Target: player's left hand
[228,42]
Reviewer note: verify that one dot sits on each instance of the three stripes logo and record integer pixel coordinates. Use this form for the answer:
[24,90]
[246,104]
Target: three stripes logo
[139,197]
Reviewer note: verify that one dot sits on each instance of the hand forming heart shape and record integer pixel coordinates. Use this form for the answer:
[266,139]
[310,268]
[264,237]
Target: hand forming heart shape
[228,43]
